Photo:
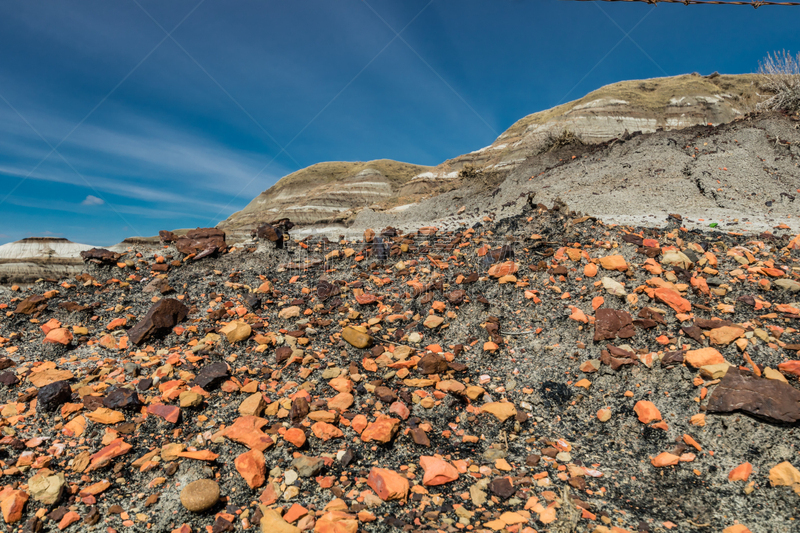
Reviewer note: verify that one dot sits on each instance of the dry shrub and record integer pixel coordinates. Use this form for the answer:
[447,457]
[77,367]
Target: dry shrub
[781,74]
[561,140]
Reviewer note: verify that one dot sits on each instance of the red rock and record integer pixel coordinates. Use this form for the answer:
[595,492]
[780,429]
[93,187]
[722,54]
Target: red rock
[388,484]
[382,430]
[59,336]
[673,299]
[12,505]
[400,409]
[437,471]
[295,436]
[590,270]
[170,413]
[647,412]
[103,458]
[741,472]
[252,467]
[271,494]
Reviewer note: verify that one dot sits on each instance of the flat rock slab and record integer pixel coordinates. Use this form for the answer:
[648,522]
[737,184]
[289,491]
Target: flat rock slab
[767,398]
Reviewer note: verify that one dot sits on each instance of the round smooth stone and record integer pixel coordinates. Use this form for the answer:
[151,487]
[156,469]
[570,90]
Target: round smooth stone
[200,495]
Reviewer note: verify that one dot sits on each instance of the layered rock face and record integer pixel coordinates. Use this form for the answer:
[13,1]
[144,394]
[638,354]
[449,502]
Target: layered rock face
[334,192]
[324,193]
[30,259]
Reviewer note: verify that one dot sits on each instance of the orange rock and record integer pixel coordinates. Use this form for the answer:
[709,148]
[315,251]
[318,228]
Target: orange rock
[673,299]
[341,402]
[691,442]
[59,336]
[68,519]
[614,262]
[736,528]
[578,315]
[382,430]
[108,342]
[647,412]
[295,436]
[252,467]
[388,484]
[116,323]
[664,459]
[336,522]
[741,472]
[724,335]
[103,415]
[790,367]
[325,431]
[437,471]
[502,410]
[703,357]
[12,505]
[503,269]
[490,346]
[295,512]
[247,430]
[784,474]
[590,270]
[200,455]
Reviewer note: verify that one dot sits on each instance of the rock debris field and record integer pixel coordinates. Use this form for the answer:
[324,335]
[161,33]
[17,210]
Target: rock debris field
[543,372]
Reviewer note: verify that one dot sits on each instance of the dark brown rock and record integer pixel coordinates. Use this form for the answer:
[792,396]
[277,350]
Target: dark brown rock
[122,398]
[100,256]
[611,323]
[162,317]
[167,236]
[740,390]
[53,396]
[34,302]
[300,410]
[617,357]
[432,364]
[385,394]
[456,297]
[502,487]
[201,239]
[212,376]
[420,437]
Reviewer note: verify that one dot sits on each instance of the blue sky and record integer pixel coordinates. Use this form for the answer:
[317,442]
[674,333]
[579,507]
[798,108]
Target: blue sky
[126,117]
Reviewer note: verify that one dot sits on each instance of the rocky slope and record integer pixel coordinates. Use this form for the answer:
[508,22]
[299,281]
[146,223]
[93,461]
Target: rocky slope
[330,193]
[545,372]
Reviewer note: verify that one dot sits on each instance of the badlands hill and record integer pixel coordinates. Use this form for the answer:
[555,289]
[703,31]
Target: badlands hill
[334,192]
[27,260]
